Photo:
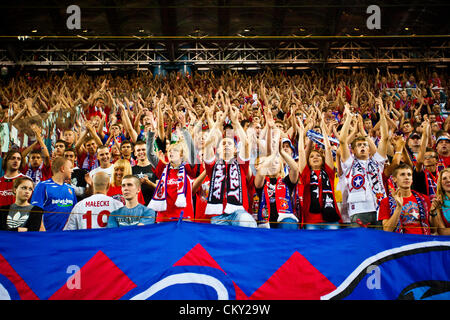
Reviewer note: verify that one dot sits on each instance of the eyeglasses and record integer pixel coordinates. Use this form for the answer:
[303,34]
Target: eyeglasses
[429,157]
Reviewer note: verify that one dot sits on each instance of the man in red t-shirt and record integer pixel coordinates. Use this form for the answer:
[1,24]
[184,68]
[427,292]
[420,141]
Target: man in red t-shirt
[405,211]
[11,165]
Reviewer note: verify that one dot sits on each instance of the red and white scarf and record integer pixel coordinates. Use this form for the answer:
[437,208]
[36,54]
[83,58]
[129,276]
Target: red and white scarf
[356,179]
[159,200]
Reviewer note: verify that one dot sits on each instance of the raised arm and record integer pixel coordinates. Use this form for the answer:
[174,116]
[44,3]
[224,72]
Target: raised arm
[244,152]
[302,161]
[328,154]
[127,123]
[382,146]
[343,137]
[214,134]
[293,172]
[423,146]
[187,137]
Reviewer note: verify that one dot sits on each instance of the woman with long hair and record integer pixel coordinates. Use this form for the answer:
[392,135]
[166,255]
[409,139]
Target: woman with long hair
[320,210]
[21,216]
[121,169]
[275,189]
[440,207]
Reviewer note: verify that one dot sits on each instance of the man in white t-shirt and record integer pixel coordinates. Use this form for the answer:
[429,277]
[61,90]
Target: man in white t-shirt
[104,159]
[363,171]
[93,212]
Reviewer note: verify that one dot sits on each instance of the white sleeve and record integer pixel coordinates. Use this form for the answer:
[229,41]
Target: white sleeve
[347,165]
[378,158]
[71,223]
[118,204]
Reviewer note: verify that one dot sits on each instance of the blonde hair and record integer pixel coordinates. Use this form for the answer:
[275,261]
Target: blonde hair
[181,146]
[121,163]
[440,190]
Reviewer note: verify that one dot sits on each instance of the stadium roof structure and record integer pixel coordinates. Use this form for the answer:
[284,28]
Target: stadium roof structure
[223,32]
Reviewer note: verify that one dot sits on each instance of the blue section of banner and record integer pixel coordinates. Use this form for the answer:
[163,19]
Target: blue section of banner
[246,257]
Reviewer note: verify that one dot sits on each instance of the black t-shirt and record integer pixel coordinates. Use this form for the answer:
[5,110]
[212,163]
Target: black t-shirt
[147,191]
[419,183]
[13,217]
[271,193]
[79,181]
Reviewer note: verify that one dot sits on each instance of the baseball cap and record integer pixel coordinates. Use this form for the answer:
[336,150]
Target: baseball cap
[290,145]
[443,137]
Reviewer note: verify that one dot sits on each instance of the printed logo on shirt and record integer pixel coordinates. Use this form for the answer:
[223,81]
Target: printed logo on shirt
[410,212]
[358,181]
[16,220]
[6,193]
[171,182]
[63,203]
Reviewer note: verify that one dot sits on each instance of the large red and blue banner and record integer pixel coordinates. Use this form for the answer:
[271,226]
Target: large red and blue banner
[194,261]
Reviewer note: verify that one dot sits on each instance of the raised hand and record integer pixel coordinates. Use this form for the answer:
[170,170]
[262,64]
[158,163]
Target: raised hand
[398,198]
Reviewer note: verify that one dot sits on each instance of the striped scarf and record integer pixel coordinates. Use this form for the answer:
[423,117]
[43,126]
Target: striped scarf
[36,174]
[431,182]
[322,197]
[282,200]
[225,178]
[317,138]
[373,175]
[159,201]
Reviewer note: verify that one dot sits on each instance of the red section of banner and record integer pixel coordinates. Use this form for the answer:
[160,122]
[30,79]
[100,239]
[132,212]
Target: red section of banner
[240,295]
[98,279]
[22,288]
[296,279]
[198,256]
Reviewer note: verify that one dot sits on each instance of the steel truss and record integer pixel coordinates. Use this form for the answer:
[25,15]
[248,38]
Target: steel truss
[198,53]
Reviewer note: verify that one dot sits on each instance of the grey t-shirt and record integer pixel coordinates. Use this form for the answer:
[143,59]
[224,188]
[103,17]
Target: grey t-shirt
[18,216]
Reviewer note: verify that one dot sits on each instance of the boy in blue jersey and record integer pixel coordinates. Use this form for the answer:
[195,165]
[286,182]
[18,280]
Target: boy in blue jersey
[54,196]
[133,213]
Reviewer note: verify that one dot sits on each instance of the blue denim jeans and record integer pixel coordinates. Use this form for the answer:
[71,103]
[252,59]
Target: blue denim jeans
[240,218]
[324,226]
[287,224]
